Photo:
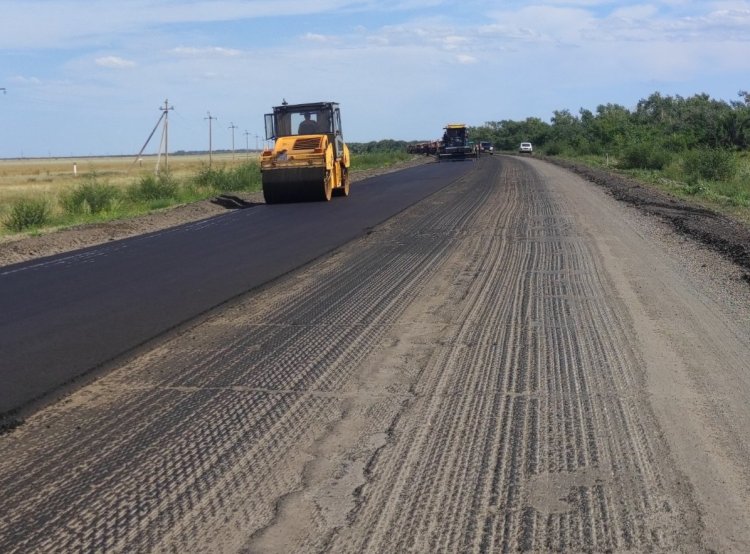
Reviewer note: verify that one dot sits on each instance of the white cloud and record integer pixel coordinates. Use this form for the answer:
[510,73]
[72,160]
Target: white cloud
[578,3]
[453,42]
[636,12]
[511,34]
[51,23]
[377,40]
[465,59]
[21,80]
[209,51]
[114,62]
[543,24]
[712,26]
[314,37]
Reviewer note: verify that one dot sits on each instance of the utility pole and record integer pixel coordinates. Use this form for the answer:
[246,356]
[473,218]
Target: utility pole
[210,147]
[165,131]
[232,126]
[164,144]
[256,142]
[247,144]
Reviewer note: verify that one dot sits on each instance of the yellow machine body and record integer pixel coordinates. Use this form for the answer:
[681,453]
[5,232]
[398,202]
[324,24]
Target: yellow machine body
[456,144]
[309,159]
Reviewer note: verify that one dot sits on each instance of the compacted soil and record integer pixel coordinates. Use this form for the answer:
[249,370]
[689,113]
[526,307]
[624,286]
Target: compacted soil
[720,232]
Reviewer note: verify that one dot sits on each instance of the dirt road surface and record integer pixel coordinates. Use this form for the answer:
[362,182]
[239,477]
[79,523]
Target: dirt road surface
[518,362]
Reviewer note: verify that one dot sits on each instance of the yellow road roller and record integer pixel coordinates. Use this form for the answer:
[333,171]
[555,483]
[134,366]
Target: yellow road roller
[309,160]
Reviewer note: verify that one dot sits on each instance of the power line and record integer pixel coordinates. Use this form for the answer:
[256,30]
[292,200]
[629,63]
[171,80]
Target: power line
[210,144]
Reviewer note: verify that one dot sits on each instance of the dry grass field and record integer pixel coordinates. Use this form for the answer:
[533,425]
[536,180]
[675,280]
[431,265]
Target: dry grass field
[49,176]
[45,194]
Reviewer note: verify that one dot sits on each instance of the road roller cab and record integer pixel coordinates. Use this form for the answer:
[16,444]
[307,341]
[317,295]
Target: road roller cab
[309,159]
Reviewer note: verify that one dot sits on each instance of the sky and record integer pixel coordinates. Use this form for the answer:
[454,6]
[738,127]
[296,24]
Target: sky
[88,77]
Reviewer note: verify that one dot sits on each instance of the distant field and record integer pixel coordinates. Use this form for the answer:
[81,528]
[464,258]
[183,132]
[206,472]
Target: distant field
[49,176]
[47,193]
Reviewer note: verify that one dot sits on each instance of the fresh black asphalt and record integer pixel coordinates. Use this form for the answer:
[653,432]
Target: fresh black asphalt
[65,315]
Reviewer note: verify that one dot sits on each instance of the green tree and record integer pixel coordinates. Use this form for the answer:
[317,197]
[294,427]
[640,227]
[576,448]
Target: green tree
[566,131]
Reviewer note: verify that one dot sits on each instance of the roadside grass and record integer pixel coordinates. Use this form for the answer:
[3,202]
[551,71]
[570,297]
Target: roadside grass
[109,191]
[372,160]
[718,181]
[91,196]
[28,214]
[48,195]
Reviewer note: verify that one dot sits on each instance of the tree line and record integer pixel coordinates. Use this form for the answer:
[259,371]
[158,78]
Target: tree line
[658,126]
[378,146]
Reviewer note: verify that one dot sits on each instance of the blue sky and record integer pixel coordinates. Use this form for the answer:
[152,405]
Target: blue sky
[87,77]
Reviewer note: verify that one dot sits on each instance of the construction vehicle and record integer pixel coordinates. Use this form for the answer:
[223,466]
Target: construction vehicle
[309,159]
[427,148]
[456,144]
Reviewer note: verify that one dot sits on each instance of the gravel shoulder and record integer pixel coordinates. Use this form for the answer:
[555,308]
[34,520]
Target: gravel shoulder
[15,249]
[721,233]
[681,273]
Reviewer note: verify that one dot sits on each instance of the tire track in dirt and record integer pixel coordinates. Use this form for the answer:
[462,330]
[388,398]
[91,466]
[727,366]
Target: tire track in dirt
[462,379]
[528,431]
[724,234]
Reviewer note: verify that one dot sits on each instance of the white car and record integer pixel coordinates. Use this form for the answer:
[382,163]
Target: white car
[525,148]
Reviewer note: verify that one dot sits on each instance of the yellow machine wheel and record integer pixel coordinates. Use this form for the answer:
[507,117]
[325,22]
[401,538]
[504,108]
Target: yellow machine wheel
[343,190]
[271,194]
[327,186]
[297,185]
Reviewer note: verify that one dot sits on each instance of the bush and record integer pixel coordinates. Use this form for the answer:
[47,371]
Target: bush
[555,148]
[377,159]
[734,192]
[243,177]
[210,178]
[26,213]
[590,148]
[695,186]
[710,164]
[246,177]
[153,188]
[89,197]
[381,146]
[644,155]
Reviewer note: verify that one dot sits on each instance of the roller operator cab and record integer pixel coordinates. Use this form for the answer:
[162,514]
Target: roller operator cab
[309,159]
